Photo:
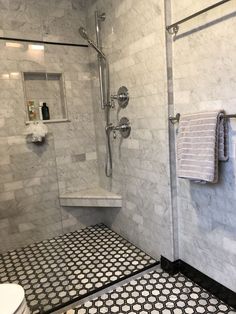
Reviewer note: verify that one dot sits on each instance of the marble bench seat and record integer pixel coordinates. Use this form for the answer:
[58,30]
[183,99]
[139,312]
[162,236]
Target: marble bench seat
[94,197]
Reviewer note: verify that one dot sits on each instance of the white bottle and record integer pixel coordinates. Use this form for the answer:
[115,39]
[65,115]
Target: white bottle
[40,110]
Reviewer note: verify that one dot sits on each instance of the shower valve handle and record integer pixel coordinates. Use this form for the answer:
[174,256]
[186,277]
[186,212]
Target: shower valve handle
[122,97]
[123,127]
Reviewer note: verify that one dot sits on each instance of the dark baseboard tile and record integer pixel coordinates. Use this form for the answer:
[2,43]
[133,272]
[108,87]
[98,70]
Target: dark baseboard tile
[214,287]
[171,268]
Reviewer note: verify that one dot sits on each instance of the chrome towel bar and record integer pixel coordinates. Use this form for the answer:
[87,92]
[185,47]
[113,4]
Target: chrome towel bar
[176,118]
[174,28]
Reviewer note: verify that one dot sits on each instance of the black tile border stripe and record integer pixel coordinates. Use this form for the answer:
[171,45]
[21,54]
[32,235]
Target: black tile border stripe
[56,308]
[214,287]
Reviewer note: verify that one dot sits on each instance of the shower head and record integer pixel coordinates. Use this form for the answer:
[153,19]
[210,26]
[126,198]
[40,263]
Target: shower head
[84,35]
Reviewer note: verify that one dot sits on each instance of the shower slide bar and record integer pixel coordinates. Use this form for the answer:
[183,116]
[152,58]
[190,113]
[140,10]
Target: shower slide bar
[42,42]
[175,119]
[174,28]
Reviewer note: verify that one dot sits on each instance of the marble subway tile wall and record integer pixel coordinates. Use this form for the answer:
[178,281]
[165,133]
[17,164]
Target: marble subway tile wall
[134,39]
[29,208]
[204,79]
[31,176]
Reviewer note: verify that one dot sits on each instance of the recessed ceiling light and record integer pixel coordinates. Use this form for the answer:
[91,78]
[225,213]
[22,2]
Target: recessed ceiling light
[13,45]
[5,76]
[36,47]
[14,74]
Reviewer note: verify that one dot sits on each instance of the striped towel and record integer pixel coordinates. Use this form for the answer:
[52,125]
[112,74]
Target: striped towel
[201,143]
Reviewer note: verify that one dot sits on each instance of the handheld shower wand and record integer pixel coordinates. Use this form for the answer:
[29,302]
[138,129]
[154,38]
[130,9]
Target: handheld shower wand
[84,34]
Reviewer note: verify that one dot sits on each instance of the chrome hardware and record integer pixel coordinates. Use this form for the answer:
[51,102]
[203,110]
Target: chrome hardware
[112,104]
[109,128]
[175,119]
[229,116]
[104,79]
[102,16]
[123,127]
[122,97]
[174,28]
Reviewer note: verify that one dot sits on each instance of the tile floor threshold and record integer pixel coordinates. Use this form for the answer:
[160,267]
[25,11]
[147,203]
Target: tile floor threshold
[57,272]
[152,293]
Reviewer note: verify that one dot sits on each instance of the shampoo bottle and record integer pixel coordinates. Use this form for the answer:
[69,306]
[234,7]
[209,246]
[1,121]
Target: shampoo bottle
[45,112]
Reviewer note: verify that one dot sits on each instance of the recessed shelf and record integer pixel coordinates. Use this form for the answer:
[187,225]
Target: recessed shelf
[42,88]
[94,197]
[49,121]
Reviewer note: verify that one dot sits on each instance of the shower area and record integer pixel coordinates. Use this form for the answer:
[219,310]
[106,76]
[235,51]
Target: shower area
[89,197]
[58,165]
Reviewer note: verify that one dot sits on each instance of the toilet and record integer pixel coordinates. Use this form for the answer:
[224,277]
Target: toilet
[12,299]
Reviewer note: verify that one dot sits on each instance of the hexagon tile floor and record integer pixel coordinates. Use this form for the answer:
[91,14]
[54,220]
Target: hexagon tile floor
[64,269]
[153,293]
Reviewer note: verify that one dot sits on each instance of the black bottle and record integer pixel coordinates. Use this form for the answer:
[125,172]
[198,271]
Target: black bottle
[45,112]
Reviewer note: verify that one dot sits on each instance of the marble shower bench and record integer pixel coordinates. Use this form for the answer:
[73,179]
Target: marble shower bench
[94,197]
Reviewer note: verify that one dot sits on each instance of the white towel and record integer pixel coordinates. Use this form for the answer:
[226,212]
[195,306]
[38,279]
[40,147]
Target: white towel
[37,131]
[201,143]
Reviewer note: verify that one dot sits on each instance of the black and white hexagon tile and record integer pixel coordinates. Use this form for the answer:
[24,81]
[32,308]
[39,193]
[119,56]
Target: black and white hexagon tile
[153,293]
[64,269]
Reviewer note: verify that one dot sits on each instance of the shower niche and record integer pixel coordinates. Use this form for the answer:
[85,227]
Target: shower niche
[45,98]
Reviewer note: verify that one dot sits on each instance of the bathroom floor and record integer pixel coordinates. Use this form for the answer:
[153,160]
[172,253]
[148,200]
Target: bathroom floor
[153,293]
[64,269]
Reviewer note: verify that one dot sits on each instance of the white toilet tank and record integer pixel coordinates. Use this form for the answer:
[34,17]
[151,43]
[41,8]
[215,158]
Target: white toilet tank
[12,299]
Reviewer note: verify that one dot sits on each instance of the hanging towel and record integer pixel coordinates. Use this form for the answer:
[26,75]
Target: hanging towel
[201,143]
[223,139]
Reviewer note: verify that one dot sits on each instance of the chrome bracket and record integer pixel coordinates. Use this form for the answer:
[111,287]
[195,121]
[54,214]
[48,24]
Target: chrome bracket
[102,16]
[173,30]
[175,119]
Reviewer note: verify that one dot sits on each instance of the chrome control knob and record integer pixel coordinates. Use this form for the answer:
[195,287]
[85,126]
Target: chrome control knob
[122,97]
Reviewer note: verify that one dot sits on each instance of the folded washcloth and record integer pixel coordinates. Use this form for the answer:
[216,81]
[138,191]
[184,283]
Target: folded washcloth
[201,143]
